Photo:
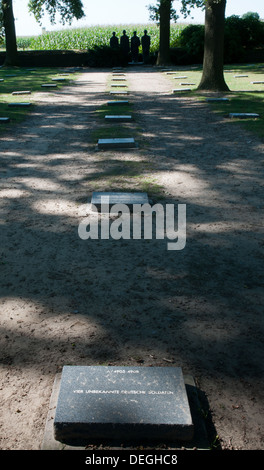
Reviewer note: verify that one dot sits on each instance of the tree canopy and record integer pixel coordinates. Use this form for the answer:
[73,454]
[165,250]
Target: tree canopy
[67,9]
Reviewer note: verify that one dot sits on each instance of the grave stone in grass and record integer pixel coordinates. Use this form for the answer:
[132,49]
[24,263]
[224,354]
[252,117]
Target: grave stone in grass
[177,90]
[187,84]
[22,105]
[118,118]
[25,92]
[59,79]
[117,102]
[243,115]
[118,85]
[119,92]
[116,143]
[104,201]
[1,80]
[128,403]
[117,74]
[258,83]
[4,119]
[180,78]
[240,76]
[217,99]
[10,75]
[119,79]
[49,85]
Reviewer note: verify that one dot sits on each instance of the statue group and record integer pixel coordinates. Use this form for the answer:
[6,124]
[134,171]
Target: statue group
[132,45]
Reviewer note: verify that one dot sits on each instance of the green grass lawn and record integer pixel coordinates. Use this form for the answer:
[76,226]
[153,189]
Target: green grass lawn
[22,79]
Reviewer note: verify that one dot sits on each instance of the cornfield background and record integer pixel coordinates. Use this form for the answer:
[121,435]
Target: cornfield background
[89,37]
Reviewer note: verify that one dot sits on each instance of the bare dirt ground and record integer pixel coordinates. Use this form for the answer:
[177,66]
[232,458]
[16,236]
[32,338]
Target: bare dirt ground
[68,301]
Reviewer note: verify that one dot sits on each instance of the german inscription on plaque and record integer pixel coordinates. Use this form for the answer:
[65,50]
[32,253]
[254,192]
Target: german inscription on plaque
[128,403]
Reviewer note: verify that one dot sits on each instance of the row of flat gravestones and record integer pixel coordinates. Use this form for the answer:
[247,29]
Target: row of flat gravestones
[62,78]
[231,115]
[119,404]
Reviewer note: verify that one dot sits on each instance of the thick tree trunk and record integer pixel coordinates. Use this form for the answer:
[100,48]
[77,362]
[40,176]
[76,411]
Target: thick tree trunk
[213,62]
[164,39]
[10,33]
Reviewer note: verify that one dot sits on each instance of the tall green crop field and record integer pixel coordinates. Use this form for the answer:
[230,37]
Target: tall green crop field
[89,37]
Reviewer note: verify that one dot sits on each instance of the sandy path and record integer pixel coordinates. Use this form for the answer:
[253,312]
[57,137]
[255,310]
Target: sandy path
[69,301]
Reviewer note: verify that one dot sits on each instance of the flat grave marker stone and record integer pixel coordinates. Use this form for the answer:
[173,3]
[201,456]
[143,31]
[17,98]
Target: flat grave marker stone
[217,99]
[182,77]
[4,119]
[26,92]
[118,118]
[177,90]
[49,85]
[116,143]
[243,115]
[258,82]
[100,199]
[59,79]
[117,102]
[19,105]
[119,92]
[118,85]
[240,76]
[128,403]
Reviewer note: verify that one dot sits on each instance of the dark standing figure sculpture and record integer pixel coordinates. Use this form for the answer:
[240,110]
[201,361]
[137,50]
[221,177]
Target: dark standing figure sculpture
[135,43]
[114,41]
[124,44]
[145,41]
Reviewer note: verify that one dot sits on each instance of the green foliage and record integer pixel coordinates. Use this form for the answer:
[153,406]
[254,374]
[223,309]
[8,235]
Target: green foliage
[240,34]
[67,9]
[192,40]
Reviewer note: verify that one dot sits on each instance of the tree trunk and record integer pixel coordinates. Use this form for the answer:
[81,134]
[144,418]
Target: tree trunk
[164,39]
[213,62]
[10,33]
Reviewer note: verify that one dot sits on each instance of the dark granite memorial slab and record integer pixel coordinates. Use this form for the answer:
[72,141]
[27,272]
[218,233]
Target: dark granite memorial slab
[128,403]
[1,80]
[217,99]
[4,119]
[103,201]
[115,85]
[119,92]
[22,105]
[26,92]
[243,115]
[49,85]
[180,90]
[118,118]
[180,77]
[59,79]
[117,102]
[117,143]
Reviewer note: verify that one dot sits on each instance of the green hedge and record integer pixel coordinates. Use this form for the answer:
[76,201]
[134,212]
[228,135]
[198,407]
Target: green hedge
[241,35]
